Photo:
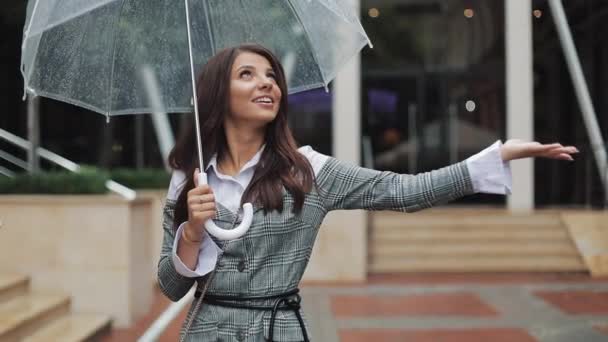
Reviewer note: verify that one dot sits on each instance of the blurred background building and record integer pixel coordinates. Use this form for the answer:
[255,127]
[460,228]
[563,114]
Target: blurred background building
[432,92]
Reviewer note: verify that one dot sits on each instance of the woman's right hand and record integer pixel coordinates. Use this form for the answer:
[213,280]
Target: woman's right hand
[201,207]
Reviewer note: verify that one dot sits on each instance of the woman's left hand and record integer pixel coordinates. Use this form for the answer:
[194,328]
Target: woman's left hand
[517,149]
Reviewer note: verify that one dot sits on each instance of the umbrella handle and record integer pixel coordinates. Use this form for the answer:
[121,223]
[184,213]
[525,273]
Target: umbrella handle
[228,234]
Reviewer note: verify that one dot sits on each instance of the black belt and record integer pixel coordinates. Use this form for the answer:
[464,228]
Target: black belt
[285,301]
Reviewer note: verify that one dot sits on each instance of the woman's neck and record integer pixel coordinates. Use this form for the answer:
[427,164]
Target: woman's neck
[243,144]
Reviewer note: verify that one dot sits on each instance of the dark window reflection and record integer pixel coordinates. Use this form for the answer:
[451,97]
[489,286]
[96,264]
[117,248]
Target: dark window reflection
[433,86]
[310,119]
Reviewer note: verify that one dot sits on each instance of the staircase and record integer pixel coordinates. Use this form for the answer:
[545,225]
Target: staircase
[32,317]
[471,240]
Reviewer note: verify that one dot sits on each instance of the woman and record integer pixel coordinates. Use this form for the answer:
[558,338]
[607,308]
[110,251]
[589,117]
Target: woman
[249,285]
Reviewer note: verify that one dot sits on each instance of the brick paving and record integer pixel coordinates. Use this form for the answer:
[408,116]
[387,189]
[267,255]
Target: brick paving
[577,302]
[442,304]
[444,335]
[444,308]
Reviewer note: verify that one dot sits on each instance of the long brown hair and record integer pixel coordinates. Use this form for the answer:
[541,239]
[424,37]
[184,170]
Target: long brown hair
[280,166]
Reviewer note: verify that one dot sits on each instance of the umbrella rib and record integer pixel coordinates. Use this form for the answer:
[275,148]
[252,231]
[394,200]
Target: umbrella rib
[26,34]
[113,59]
[307,35]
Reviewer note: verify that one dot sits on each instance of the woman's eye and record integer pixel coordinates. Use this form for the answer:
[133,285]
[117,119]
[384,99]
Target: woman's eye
[271,75]
[245,73]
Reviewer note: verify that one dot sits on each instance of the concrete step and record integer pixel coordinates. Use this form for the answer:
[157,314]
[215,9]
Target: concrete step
[457,234]
[458,223]
[464,217]
[12,285]
[22,315]
[471,240]
[477,264]
[531,248]
[72,328]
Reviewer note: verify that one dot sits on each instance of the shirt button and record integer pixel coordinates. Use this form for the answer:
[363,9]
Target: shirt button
[241,266]
[240,336]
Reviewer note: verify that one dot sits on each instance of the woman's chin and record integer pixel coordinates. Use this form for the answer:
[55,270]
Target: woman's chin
[264,117]
[259,120]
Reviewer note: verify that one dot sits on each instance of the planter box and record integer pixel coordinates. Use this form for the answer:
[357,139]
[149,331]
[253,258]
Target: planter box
[95,248]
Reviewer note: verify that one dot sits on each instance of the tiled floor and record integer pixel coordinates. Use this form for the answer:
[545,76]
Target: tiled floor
[444,308]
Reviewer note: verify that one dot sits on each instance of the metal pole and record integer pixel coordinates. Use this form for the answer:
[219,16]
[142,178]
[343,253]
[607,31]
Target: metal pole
[164,134]
[581,89]
[33,133]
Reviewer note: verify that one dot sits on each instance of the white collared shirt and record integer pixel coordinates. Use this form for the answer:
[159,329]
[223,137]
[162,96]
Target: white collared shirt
[489,174]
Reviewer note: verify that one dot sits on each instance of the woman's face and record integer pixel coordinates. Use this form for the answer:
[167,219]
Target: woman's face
[254,94]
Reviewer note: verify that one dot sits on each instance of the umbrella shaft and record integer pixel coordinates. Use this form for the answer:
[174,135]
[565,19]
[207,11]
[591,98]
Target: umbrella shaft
[194,97]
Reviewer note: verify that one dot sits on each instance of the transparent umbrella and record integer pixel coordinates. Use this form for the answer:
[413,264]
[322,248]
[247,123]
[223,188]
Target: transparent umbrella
[95,53]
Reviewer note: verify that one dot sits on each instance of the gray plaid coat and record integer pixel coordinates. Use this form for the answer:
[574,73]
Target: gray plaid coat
[271,257]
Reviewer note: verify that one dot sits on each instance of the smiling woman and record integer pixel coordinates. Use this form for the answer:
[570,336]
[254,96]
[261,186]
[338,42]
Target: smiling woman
[251,156]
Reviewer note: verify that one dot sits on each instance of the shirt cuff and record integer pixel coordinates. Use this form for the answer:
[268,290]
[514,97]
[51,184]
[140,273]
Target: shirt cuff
[489,173]
[207,256]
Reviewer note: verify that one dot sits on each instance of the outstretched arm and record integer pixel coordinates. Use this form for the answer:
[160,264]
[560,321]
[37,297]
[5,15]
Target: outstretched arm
[346,186]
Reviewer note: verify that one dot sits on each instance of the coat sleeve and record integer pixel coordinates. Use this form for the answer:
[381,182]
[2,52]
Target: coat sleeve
[172,284]
[345,186]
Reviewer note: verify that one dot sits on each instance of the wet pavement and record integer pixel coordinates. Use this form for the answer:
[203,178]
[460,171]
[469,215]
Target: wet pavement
[561,307]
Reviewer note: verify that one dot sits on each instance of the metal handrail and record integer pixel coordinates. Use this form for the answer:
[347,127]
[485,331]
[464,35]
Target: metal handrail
[14,160]
[6,172]
[160,324]
[111,185]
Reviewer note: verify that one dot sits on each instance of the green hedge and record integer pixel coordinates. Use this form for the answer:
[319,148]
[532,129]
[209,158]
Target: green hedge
[142,178]
[88,181]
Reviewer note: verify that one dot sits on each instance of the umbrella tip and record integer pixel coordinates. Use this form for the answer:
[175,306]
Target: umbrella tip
[107,117]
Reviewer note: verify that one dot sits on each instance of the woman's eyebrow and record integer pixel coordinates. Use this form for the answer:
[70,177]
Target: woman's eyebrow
[246,66]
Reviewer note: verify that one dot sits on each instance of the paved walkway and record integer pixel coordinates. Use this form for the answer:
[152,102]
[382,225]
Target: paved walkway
[446,308]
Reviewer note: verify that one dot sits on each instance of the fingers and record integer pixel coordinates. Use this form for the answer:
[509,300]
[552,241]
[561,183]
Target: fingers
[210,206]
[560,152]
[200,209]
[200,190]
[200,199]
[517,149]
[200,217]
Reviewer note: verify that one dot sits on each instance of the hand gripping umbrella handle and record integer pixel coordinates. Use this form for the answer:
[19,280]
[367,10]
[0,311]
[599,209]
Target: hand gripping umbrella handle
[228,234]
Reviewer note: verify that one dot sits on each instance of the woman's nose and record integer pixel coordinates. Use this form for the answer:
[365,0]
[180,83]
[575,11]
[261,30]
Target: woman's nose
[265,83]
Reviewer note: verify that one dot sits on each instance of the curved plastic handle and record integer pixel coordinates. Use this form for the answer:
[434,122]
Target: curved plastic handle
[228,234]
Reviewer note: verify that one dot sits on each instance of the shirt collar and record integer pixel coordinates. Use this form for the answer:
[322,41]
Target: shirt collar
[251,163]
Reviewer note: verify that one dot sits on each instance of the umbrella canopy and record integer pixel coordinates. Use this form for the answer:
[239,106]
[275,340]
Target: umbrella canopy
[96,53]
